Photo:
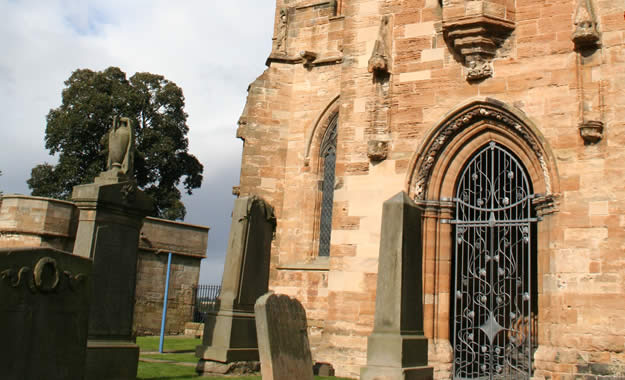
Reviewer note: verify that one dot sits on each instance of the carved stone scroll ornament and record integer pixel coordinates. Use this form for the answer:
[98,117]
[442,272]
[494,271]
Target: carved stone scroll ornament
[464,120]
[585,34]
[129,192]
[45,278]
[477,67]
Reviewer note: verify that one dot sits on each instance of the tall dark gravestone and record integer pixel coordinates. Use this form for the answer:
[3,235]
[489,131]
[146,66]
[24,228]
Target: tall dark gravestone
[111,215]
[230,333]
[397,348]
[44,312]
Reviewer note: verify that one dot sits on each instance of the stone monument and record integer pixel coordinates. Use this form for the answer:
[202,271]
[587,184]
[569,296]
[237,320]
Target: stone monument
[111,215]
[44,314]
[283,338]
[397,348]
[230,333]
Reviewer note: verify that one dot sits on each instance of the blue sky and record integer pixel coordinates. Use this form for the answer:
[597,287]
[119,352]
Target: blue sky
[211,49]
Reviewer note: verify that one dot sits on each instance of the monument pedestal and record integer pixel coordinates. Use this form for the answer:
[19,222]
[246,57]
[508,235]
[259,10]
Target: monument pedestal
[108,359]
[397,348]
[229,342]
[233,337]
[110,220]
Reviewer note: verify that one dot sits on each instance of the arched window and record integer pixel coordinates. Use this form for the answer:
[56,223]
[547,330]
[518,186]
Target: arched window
[327,163]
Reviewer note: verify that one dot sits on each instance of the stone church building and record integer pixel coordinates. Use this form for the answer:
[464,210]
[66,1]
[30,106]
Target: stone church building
[504,121]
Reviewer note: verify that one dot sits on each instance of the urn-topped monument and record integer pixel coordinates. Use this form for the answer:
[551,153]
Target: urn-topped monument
[121,152]
[111,215]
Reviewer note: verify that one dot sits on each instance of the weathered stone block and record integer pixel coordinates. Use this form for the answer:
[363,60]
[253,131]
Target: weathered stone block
[282,338]
[44,314]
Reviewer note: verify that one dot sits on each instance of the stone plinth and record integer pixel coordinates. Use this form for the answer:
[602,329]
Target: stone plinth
[397,348]
[43,314]
[110,219]
[283,338]
[230,333]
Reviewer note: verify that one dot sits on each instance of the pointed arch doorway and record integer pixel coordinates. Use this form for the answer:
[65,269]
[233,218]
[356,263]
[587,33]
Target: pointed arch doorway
[459,140]
[494,277]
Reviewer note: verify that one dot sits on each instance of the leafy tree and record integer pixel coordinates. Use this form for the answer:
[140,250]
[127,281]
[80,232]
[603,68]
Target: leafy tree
[77,132]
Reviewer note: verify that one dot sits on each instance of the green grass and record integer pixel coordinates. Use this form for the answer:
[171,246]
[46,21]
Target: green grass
[166,371]
[185,357]
[162,371]
[171,343]
[171,371]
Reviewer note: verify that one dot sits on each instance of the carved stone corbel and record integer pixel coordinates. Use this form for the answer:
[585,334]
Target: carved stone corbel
[377,150]
[585,35]
[475,30]
[476,40]
[309,57]
[591,131]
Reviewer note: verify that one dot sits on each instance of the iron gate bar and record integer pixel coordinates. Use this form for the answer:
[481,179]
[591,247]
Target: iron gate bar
[492,268]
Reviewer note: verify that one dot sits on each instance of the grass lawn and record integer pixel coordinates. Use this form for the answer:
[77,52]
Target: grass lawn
[165,371]
[184,357]
[171,343]
[185,348]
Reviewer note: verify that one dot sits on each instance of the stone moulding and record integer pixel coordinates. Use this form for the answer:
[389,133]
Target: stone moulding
[307,58]
[488,110]
[476,39]
[319,126]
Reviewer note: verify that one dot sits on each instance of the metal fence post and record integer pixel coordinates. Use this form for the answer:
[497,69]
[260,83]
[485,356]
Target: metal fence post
[164,318]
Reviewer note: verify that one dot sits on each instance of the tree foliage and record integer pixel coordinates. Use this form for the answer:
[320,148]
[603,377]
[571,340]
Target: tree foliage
[77,131]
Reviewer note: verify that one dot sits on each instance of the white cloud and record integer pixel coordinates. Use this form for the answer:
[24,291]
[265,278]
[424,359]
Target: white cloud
[211,49]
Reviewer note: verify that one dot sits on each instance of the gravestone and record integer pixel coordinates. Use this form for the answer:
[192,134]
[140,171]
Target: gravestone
[230,332]
[283,338]
[397,348]
[111,215]
[44,312]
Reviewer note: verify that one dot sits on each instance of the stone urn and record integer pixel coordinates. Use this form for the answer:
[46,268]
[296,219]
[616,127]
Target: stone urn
[118,145]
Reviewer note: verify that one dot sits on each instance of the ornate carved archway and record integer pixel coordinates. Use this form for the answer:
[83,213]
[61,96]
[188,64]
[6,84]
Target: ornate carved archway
[431,181]
[468,122]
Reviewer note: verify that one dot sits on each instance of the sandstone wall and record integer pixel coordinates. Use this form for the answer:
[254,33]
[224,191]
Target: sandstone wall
[188,246]
[536,71]
[37,222]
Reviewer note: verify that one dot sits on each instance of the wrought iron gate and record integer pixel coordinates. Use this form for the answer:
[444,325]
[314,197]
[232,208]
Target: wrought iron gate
[492,310]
